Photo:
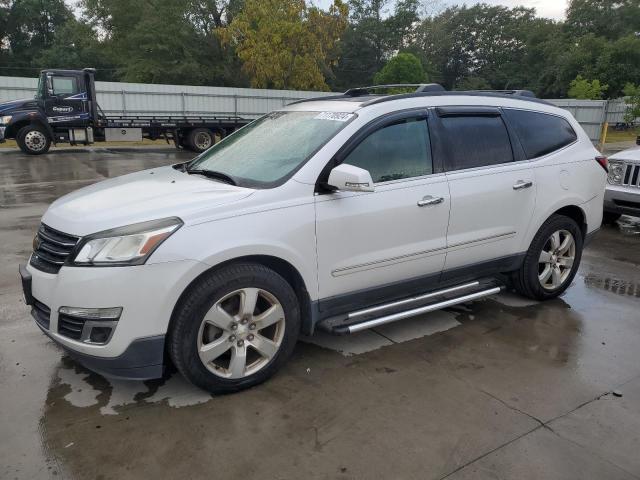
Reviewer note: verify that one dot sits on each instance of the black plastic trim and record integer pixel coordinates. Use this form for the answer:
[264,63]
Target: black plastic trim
[348,302]
[142,360]
[467,111]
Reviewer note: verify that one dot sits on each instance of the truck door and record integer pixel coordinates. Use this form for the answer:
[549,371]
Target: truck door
[66,101]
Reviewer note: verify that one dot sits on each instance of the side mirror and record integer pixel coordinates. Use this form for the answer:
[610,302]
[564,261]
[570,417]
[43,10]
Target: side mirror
[348,178]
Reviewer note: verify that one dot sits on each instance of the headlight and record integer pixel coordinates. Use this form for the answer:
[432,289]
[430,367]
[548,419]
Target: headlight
[616,172]
[6,119]
[130,245]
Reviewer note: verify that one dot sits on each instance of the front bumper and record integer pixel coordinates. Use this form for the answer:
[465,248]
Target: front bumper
[622,199]
[147,295]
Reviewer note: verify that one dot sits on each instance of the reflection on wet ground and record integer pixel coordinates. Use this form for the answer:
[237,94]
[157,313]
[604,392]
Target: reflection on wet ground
[505,387]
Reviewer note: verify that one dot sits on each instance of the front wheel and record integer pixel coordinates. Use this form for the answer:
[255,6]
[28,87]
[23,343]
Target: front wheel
[552,260]
[234,328]
[33,140]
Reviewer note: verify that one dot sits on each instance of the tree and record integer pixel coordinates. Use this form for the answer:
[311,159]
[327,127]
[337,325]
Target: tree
[632,94]
[164,41]
[374,34]
[75,46]
[285,43]
[611,19]
[584,89]
[480,41]
[403,68]
[29,26]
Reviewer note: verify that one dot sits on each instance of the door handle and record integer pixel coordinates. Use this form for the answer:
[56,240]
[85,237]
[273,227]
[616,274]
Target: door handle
[429,200]
[521,184]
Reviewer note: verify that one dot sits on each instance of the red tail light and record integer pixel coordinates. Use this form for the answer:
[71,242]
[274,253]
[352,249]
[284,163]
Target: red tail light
[603,162]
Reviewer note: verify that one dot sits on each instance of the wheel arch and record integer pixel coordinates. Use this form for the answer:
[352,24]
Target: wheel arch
[282,267]
[575,213]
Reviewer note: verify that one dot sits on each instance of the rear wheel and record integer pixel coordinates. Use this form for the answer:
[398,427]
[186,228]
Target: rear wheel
[200,139]
[33,140]
[235,328]
[552,260]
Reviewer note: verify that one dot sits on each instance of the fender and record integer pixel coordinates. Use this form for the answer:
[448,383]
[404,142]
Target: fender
[26,117]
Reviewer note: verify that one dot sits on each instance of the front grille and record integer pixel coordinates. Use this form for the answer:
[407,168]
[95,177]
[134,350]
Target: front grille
[631,175]
[51,249]
[41,313]
[70,326]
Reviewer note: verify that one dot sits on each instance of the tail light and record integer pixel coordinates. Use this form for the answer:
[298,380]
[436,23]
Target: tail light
[603,162]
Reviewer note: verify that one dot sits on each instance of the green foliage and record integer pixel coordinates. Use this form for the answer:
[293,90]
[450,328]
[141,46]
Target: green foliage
[632,97]
[583,89]
[294,44]
[403,68]
[285,43]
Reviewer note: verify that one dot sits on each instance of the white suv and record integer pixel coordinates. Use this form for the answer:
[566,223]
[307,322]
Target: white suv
[340,213]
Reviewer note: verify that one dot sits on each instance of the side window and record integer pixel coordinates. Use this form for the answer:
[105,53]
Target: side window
[400,150]
[540,133]
[65,86]
[475,141]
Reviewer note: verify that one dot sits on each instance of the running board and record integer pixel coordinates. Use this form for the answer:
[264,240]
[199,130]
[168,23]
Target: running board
[351,324]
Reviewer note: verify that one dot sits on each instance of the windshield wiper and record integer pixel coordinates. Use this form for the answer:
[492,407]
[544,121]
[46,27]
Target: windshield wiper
[213,174]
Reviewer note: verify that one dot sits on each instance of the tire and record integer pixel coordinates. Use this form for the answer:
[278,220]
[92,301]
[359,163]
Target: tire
[33,140]
[610,218]
[219,296]
[200,139]
[528,280]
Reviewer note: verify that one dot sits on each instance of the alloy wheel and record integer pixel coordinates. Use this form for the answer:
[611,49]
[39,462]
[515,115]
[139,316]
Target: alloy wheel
[556,259]
[241,333]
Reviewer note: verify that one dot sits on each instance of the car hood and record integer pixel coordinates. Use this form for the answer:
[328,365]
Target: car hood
[15,104]
[138,197]
[632,154]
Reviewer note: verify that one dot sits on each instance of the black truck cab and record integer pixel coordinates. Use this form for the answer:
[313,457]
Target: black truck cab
[65,110]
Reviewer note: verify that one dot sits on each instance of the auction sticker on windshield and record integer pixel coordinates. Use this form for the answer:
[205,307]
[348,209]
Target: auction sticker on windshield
[335,116]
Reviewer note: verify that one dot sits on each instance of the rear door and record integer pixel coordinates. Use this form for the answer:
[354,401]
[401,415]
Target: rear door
[388,243]
[492,190]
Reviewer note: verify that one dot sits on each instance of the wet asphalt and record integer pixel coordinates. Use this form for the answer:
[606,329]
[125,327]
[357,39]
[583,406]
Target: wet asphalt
[499,388]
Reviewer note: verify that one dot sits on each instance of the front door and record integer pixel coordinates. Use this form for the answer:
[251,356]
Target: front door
[390,243]
[66,100]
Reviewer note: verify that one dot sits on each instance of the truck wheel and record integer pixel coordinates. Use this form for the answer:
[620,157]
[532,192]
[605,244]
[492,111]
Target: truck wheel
[234,328]
[552,259]
[200,139]
[33,140]
[609,218]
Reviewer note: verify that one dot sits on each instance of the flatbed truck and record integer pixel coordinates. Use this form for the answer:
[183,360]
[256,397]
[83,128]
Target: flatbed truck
[65,110]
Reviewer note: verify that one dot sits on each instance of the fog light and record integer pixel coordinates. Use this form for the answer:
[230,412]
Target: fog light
[100,334]
[92,313]
[88,325]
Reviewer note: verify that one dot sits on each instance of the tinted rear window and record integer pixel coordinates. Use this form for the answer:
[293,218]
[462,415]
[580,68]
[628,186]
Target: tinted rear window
[475,141]
[540,133]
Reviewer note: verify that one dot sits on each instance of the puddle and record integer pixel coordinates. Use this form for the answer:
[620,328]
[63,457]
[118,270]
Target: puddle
[86,389]
[614,285]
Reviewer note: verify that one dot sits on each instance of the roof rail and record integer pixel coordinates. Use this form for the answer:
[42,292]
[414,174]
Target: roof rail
[419,87]
[518,93]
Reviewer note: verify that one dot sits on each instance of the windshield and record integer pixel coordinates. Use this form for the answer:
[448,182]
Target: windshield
[269,149]
[40,92]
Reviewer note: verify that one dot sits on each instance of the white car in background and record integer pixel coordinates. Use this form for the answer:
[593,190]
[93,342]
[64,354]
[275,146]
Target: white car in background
[622,196]
[340,213]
